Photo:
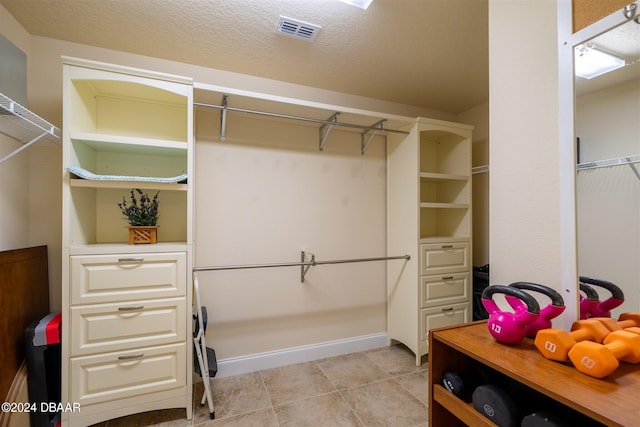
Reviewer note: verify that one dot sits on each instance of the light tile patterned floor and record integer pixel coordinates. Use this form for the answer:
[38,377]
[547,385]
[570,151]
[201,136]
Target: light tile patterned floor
[381,387]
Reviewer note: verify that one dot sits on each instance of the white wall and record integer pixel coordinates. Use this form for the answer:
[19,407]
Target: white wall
[30,188]
[524,149]
[14,173]
[14,197]
[45,97]
[607,122]
[267,193]
[479,117]
[608,214]
[262,196]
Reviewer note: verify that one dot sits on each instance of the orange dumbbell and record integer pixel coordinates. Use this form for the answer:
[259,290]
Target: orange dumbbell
[554,344]
[627,321]
[600,360]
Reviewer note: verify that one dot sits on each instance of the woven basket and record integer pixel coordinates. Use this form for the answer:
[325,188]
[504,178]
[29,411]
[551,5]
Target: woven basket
[143,234]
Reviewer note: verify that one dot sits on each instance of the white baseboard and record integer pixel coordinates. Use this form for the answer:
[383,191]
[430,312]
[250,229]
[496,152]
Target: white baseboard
[288,356]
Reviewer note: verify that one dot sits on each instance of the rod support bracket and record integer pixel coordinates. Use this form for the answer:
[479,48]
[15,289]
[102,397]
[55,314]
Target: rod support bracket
[223,117]
[323,135]
[305,265]
[365,140]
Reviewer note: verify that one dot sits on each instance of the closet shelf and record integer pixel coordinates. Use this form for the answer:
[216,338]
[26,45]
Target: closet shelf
[119,143]
[79,182]
[326,117]
[84,178]
[83,173]
[438,238]
[326,125]
[430,176]
[434,205]
[22,125]
[627,160]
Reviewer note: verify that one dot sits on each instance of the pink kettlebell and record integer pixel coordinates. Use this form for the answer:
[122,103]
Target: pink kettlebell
[602,308]
[589,299]
[509,327]
[551,311]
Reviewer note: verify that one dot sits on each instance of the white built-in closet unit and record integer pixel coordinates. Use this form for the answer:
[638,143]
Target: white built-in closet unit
[429,218]
[126,338]
[126,308]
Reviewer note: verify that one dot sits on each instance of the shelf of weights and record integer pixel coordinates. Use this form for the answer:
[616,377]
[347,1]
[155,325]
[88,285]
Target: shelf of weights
[611,401]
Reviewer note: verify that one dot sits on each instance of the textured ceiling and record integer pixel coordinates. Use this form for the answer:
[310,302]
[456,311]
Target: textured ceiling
[426,53]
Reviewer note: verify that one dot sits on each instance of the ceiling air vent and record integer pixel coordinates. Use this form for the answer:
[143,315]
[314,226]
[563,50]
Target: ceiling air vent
[298,29]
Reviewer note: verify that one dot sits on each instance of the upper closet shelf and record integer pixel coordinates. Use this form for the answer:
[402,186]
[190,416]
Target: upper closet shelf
[21,124]
[326,117]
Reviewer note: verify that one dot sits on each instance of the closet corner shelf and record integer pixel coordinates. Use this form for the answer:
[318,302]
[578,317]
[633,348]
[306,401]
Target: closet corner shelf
[434,205]
[431,176]
[103,141]
[448,239]
[84,178]
[85,183]
[124,247]
[22,125]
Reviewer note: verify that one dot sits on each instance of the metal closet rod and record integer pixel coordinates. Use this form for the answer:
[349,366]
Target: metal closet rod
[303,264]
[375,127]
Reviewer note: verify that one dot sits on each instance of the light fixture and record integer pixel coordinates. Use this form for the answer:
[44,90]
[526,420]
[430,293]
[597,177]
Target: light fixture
[591,62]
[362,4]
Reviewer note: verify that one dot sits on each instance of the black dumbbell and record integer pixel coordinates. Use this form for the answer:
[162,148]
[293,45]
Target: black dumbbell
[497,404]
[542,419]
[463,384]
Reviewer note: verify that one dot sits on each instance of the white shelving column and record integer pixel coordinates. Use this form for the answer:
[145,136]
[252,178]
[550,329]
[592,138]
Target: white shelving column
[126,308]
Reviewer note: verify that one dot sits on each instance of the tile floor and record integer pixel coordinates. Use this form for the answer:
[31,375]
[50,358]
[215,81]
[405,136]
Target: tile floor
[380,387]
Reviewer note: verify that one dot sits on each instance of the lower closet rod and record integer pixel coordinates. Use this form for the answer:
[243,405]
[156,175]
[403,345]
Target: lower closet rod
[301,264]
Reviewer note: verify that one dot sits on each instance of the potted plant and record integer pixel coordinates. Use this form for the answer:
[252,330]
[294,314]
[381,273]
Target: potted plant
[141,212]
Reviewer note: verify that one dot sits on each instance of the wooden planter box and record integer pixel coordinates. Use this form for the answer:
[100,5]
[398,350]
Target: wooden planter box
[143,234]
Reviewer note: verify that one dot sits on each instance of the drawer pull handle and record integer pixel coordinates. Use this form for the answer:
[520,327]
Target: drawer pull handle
[447,246]
[447,278]
[130,259]
[135,307]
[131,356]
[447,309]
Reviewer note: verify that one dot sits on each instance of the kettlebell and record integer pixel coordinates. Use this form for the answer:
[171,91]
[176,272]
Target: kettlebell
[603,308]
[589,299]
[508,327]
[552,310]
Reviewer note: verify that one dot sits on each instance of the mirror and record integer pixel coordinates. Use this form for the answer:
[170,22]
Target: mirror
[607,131]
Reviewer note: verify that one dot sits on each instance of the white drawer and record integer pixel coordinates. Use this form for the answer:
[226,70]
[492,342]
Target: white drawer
[438,317]
[122,375]
[124,277]
[438,258]
[444,289]
[118,326]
